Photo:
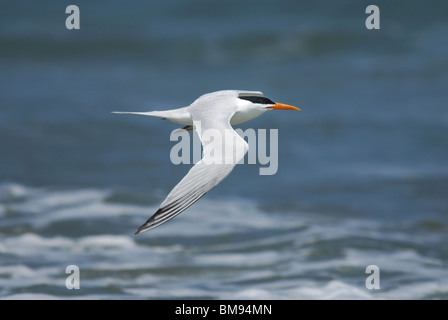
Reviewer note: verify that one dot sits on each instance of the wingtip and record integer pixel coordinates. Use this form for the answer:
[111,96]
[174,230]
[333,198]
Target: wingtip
[141,229]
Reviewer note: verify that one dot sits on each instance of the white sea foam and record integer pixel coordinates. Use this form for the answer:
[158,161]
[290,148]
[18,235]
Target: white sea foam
[225,249]
[31,296]
[12,191]
[16,271]
[21,276]
[46,207]
[106,242]
[238,259]
[419,290]
[33,244]
[331,290]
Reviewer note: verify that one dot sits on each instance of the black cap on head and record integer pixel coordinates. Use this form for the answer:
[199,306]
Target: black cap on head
[257,99]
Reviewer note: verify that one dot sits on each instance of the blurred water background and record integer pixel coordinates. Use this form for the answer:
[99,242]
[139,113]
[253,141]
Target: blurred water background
[362,179]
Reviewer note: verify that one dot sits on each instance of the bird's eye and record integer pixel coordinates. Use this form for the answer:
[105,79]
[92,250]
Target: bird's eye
[258,99]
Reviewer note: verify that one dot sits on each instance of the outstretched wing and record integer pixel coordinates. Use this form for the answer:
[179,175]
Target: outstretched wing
[223,148]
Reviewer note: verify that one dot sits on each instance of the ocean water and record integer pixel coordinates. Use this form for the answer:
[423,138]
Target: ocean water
[362,176]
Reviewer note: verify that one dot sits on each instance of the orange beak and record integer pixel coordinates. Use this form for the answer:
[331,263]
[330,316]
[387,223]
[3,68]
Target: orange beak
[281,106]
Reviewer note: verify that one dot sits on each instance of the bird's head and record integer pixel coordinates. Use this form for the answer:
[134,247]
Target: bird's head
[259,102]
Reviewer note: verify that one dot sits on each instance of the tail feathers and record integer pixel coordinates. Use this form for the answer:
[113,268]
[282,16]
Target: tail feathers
[158,114]
[180,116]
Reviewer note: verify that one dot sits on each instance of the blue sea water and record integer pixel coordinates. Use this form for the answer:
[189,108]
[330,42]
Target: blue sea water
[362,177]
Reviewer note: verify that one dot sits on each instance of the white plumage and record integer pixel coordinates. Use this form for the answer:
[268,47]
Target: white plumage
[215,113]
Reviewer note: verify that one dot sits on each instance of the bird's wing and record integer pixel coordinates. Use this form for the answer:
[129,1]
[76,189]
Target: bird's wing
[218,160]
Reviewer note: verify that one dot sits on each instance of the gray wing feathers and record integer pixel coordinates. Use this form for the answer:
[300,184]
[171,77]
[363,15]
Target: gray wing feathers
[199,180]
[208,172]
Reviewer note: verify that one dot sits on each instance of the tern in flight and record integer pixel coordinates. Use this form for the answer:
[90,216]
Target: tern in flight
[213,112]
